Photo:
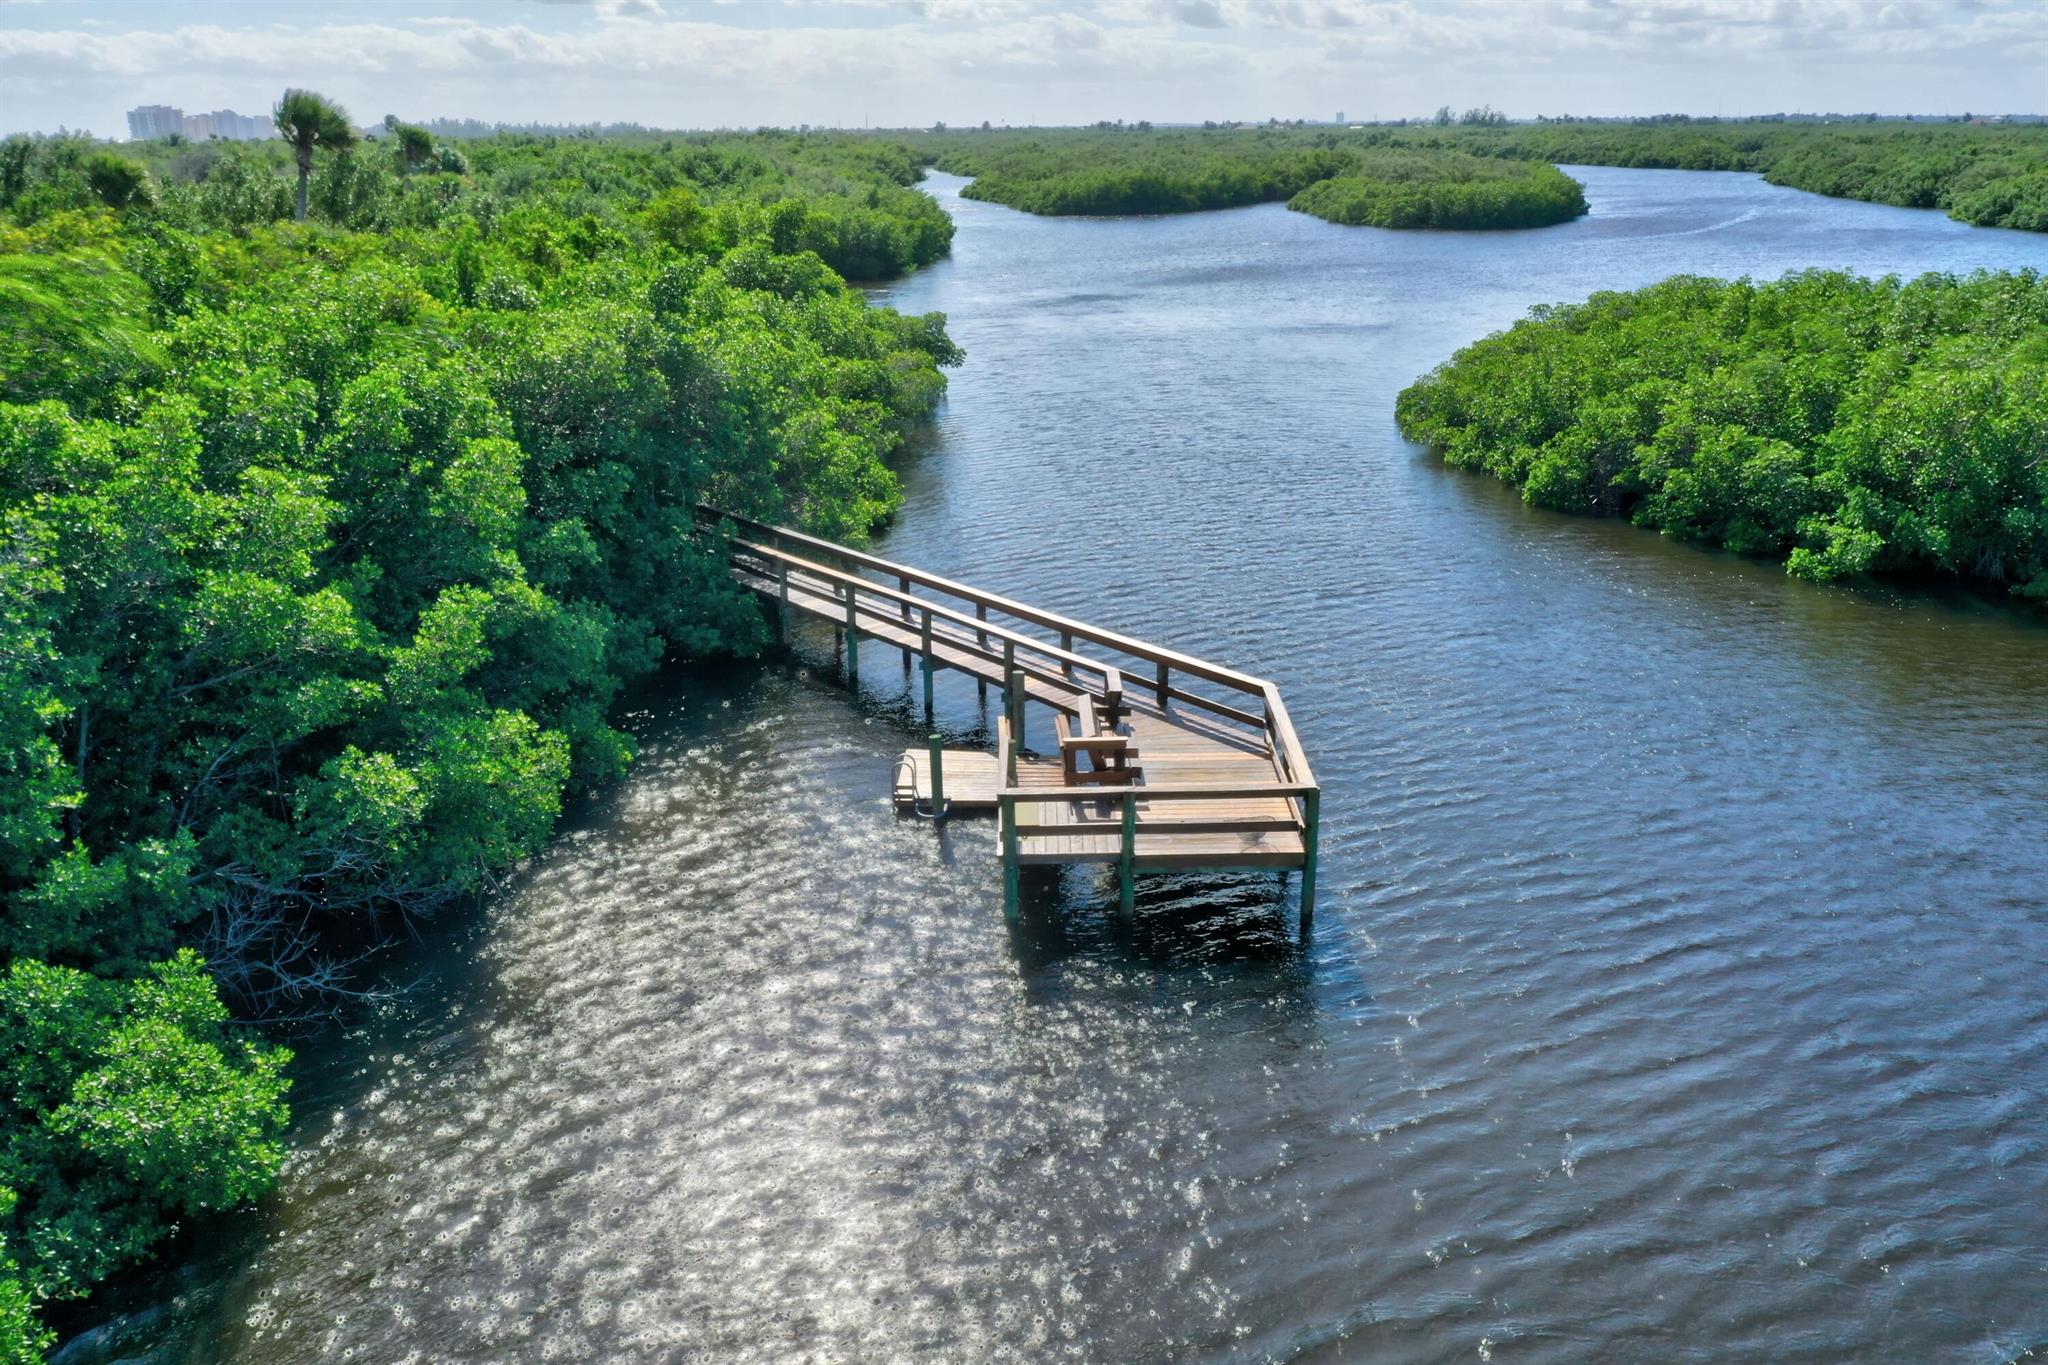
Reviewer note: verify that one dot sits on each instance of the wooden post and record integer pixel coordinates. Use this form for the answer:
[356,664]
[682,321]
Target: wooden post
[1162,684]
[981,614]
[1013,706]
[1007,813]
[852,642]
[903,585]
[1311,839]
[1067,665]
[1013,686]
[782,606]
[927,633]
[1126,863]
[938,776]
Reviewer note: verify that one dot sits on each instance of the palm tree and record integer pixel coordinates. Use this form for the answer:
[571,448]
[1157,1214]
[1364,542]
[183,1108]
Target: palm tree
[307,121]
[119,182]
[415,146]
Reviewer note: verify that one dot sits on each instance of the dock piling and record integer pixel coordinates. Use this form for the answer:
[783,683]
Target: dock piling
[926,636]
[1007,814]
[1311,841]
[1126,865]
[852,643]
[938,754]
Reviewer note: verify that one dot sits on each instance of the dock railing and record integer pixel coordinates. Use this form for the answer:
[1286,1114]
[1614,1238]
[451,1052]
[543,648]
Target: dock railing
[994,629]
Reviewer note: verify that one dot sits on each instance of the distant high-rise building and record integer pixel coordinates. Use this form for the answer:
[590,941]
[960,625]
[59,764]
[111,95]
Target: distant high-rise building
[155,120]
[161,120]
[237,127]
[1340,116]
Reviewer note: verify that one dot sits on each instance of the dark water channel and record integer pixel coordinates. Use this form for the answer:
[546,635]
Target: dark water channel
[1677,990]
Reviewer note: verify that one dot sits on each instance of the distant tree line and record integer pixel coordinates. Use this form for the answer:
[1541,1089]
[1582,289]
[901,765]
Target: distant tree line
[1360,178]
[1990,175]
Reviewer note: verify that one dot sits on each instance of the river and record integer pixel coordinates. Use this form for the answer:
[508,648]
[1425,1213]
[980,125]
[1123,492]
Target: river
[1676,990]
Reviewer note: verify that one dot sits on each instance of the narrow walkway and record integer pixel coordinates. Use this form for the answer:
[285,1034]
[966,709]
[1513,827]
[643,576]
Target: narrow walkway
[1197,767]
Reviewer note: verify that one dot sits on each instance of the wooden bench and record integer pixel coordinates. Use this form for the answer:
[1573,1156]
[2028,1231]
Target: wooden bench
[1112,760]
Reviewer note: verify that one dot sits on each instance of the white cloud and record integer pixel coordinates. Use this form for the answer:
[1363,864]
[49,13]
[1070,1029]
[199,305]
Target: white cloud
[693,63]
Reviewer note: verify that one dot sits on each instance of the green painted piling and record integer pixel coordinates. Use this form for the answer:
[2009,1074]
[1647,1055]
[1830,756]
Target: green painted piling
[1311,840]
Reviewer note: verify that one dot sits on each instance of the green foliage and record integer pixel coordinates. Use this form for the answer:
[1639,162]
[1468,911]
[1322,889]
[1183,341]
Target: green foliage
[131,1108]
[1843,425]
[1400,189]
[847,199]
[323,552]
[1341,177]
[74,326]
[1095,173]
[23,1338]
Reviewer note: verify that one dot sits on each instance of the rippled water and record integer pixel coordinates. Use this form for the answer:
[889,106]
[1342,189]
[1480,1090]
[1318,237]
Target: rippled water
[1676,992]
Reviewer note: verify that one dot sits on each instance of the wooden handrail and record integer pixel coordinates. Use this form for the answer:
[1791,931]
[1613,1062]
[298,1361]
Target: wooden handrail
[1041,795]
[1223,709]
[1285,741]
[1290,760]
[1111,675]
[1186,663]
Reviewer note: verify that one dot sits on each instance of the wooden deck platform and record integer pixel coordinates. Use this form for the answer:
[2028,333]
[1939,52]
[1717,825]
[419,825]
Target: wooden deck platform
[1216,777]
[968,777]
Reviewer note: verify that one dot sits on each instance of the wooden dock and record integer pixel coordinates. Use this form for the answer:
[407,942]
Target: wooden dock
[1191,765]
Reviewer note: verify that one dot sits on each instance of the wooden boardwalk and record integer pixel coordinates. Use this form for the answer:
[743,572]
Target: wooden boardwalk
[1194,766]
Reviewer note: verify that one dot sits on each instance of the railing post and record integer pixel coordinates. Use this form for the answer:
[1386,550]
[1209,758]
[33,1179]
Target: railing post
[938,752]
[1126,863]
[927,634]
[1067,665]
[1013,705]
[852,641]
[981,614]
[903,586]
[1007,813]
[1162,684]
[782,605]
[1311,840]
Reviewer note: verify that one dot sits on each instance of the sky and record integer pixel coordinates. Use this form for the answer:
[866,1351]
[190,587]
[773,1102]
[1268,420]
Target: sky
[897,63]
